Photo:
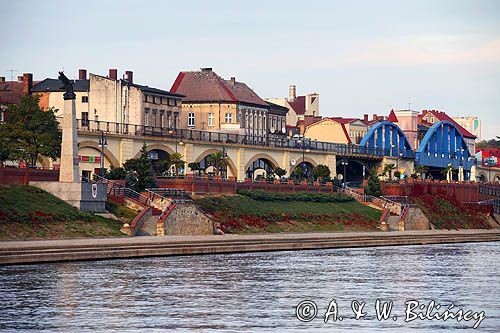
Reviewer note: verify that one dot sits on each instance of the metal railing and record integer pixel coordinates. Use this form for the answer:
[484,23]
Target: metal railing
[117,189]
[274,141]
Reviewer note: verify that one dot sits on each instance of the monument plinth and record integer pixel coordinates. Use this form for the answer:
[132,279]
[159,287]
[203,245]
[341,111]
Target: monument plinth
[86,196]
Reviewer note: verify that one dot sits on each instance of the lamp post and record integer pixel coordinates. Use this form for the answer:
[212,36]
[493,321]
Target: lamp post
[344,163]
[487,163]
[177,141]
[103,143]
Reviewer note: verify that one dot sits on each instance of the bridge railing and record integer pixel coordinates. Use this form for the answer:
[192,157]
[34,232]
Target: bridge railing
[275,141]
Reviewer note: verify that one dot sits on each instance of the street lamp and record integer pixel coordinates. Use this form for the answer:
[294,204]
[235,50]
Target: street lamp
[487,163]
[344,163]
[103,143]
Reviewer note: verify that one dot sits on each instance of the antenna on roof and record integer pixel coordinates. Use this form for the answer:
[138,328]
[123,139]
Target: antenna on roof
[11,73]
[409,103]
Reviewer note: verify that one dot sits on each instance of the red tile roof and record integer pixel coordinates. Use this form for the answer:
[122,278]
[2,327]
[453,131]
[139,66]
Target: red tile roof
[392,117]
[207,86]
[440,115]
[344,120]
[11,92]
[299,105]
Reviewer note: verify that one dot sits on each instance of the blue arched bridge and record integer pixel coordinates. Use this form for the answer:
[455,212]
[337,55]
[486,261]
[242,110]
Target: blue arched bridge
[443,144]
[388,140]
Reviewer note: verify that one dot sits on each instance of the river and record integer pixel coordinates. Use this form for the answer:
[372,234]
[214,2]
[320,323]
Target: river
[254,291]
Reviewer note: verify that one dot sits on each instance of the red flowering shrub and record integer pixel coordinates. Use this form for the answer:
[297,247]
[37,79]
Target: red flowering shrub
[447,213]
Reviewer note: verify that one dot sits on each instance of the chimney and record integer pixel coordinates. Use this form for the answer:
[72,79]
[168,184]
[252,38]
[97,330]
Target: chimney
[27,83]
[2,78]
[374,116]
[82,74]
[129,75]
[206,69]
[292,93]
[20,78]
[365,117]
[113,74]
[233,80]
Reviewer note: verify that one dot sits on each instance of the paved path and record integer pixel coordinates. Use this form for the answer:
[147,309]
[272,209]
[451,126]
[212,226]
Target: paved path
[12,252]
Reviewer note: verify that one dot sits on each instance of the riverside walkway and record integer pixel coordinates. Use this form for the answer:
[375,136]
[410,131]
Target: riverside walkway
[19,252]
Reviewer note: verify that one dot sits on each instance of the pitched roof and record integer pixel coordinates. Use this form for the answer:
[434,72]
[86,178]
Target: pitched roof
[11,92]
[156,91]
[299,105]
[392,117]
[207,86]
[55,85]
[442,116]
[344,120]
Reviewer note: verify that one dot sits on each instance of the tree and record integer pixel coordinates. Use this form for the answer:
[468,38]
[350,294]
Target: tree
[139,171]
[321,172]
[29,132]
[388,170]
[116,173]
[373,187]
[279,172]
[177,161]
[420,170]
[195,166]
[298,172]
[218,161]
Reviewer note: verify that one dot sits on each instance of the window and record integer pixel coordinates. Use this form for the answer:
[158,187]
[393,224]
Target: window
[85,119]
[153,123]
[191,119]
[162,123]
[171,102]
[211,119]
[228,118]
[85,99]
[146,117]
[169,119]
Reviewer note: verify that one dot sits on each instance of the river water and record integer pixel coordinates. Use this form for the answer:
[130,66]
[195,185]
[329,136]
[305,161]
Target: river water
[254,291]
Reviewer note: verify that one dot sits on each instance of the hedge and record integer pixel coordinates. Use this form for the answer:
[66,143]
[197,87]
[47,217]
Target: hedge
[296,196]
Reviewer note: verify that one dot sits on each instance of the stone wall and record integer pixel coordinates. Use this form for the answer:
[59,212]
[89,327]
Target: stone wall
[416,220]
[188,220]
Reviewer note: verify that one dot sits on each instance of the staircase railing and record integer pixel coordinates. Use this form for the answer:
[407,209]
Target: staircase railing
[119,189]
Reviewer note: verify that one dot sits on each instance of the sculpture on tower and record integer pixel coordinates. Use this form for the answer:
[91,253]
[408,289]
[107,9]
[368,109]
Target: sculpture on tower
[68,87]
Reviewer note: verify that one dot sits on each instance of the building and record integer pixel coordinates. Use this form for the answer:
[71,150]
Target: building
[215,104]
[433,116]
[299,106]
[108,103]
[108,99]
[337,129]
[471,124]
[407,120]
[12,91]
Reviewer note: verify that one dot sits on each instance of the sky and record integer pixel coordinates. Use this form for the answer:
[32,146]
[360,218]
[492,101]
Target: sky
[360,56]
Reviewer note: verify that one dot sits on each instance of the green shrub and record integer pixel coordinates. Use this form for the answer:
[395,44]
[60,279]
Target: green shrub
[295,196]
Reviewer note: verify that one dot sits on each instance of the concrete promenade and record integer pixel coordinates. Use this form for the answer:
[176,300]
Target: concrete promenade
[17,252]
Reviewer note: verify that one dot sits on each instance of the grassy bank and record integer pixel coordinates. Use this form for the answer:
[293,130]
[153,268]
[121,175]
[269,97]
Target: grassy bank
[244,214]
[30,213]
[447,213]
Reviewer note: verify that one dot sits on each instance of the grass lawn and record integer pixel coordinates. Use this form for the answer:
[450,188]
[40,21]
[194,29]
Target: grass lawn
[241,214]
[30,213]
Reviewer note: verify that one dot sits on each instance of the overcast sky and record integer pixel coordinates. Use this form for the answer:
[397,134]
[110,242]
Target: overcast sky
[361,56]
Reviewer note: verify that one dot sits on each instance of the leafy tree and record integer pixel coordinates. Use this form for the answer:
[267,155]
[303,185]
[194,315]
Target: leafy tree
[321,172]
[397,175]
[298,172]
[218,161]
[116,173]
[29,132]
[388,170]
[373,187]
[488,144]
[139,171]
[177,161]
[420,170]
[279,172]
[195,166]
